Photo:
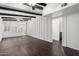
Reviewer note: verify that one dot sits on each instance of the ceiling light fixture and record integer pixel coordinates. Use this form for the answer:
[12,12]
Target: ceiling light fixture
[31,5]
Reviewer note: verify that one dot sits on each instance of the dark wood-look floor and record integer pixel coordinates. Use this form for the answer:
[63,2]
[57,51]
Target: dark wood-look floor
[25,46]
[58,49]
[71,52]
[29,46]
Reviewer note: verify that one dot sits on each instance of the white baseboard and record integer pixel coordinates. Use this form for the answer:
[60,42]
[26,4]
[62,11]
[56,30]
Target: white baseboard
[42,38]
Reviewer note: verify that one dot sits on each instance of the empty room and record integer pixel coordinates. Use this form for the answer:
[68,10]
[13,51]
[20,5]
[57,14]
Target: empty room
[39,29]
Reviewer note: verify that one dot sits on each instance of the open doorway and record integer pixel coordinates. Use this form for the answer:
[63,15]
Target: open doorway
[57,29]
[57,36]
[60,30]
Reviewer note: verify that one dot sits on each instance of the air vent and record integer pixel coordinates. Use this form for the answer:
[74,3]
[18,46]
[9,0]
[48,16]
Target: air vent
[64,4]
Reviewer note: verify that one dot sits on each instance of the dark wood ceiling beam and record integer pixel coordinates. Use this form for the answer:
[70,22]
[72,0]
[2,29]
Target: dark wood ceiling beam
[16,15]
[14,19]
[42,4]
[38,7]
[11,9]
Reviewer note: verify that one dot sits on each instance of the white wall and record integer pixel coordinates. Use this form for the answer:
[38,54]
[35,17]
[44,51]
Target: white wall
[41,28]
[70,30]
[64,31]
[1,31]
[73,31]
[14,28]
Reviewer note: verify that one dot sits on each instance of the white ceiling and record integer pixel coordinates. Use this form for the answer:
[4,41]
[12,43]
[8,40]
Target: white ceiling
[50,7]
[20,6]
[53,5]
